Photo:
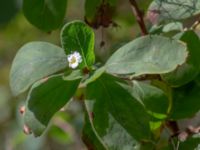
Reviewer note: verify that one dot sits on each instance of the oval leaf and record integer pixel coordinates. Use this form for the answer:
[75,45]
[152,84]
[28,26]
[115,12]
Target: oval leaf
[147,55]
[34,61]
[115,115]
[190,69]
[45,98]
[77,36]
[45,15]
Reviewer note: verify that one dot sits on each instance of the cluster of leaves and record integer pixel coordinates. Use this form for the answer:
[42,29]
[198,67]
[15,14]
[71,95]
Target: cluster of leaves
[146,83]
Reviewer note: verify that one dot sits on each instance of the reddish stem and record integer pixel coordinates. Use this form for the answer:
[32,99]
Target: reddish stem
[139,17]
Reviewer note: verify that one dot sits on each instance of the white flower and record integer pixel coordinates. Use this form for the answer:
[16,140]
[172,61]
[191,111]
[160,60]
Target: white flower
[74,59]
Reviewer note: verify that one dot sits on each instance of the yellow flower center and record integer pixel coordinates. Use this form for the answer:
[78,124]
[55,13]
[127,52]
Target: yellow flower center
[73,60]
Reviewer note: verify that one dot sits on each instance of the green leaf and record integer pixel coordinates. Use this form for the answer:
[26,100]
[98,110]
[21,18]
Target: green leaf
[147,55]
[116,116]
[155,102]
[60,136]
[73,75]
[156,29]
[185,101]
[153,98]
[95,75]
[163,10]
[173,26]
[89,137]
[181,76]
[77,36]
[46,15]
[34,61]
[190,69]
[45,98]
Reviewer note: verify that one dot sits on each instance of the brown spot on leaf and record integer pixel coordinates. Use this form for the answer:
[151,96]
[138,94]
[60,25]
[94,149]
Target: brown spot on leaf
[22,110]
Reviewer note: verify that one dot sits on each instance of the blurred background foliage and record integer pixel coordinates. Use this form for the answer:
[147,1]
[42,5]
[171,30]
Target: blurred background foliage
[65,130]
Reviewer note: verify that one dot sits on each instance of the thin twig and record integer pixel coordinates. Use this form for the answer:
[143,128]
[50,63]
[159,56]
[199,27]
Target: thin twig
[139,16]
